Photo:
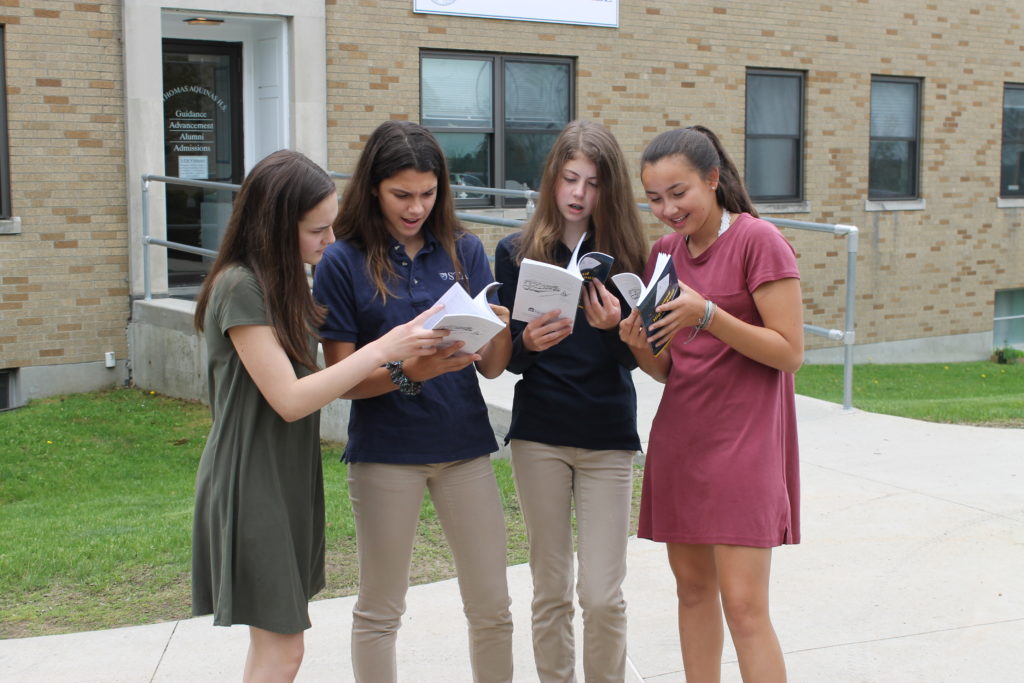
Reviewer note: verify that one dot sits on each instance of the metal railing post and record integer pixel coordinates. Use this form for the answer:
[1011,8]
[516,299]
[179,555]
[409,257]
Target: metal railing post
[852,242]
[147,283]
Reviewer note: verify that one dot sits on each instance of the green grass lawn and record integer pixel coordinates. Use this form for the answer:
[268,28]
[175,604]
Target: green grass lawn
[96,493]
[96,498]
[981,393]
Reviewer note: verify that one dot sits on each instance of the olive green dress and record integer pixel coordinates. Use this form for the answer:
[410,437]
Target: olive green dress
[258,532]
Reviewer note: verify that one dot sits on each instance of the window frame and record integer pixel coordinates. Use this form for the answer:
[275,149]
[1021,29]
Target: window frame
[1005,315]
[497,131]
[800,137]
[915,162]
[5,165]
[1003,181]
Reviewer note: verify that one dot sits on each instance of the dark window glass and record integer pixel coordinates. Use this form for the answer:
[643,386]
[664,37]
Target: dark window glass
[1011,183]
[202,84]
[895,133]
[774,143]
[495,116]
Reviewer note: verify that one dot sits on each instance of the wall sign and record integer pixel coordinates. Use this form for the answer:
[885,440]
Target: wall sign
[586,12]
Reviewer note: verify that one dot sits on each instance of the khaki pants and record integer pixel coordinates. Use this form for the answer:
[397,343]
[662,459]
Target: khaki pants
[386,502]
[548,479]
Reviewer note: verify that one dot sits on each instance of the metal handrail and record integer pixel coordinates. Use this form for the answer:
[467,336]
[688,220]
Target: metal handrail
[847,336]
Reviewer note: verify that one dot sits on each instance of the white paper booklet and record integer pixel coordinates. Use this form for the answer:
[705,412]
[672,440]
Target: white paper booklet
[544,287]
[469,320]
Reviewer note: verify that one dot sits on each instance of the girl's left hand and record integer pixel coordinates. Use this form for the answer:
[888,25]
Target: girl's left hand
[601,306]
[503,313]
[685,310]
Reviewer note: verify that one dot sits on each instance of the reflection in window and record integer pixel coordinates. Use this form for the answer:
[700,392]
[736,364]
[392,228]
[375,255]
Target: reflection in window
[774,143]
[495,116]
[1011,183]
[1008,323]
[895,131]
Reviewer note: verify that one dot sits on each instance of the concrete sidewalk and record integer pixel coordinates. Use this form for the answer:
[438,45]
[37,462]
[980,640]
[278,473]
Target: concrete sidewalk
[911,569]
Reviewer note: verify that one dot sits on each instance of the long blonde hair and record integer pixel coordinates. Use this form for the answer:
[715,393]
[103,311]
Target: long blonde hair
[615,221]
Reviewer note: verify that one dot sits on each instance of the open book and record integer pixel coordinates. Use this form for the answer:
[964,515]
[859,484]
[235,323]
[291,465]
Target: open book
[469,320]
[662,288]
[544,287]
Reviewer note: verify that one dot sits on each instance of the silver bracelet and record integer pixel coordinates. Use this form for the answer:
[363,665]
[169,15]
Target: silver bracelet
[709,313]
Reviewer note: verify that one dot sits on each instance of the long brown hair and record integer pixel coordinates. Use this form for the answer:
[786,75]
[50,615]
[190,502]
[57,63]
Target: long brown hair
[392,148]
[704,151]
[615,221]
[262,235]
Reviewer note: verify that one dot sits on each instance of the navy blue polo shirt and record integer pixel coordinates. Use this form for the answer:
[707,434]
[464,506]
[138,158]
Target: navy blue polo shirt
[448,420]
[579,392]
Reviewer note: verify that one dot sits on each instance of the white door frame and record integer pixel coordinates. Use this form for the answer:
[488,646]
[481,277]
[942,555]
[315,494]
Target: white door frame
[304,110]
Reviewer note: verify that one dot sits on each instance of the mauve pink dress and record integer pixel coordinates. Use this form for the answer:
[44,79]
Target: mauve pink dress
[722,461]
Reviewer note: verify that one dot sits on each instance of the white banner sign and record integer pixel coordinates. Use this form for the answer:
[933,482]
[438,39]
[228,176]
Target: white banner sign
[587,12]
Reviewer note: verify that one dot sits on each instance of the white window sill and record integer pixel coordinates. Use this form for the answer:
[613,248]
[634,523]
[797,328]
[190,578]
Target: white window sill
[10,226]
[1010,202]
[894,205]
[773,208]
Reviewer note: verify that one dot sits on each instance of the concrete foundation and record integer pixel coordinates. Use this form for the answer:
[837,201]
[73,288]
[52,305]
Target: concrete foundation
[946,349]
[70,378]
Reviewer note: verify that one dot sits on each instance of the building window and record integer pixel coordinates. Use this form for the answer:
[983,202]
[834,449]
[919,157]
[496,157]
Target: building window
[6,389]
[5,175]
[496,116]
[775,135]
[895,138]
[1008,322]
[1011,183]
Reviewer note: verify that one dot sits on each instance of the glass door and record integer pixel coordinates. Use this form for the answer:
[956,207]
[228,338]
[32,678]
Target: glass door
[202,93]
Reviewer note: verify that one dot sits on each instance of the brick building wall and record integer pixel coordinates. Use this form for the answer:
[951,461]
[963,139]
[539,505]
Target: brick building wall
[63,279]
[63,291]
[920,273]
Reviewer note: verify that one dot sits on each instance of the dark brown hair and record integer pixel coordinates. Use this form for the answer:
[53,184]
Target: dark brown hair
[262,235]
[704,151]
[615,221]
[392,148]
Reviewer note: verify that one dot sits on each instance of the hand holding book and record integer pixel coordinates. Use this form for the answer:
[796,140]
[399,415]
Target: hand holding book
[645,299]
[545,287]
[470,321]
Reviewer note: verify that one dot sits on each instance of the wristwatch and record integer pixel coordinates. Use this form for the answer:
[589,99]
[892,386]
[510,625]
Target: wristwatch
[398,377]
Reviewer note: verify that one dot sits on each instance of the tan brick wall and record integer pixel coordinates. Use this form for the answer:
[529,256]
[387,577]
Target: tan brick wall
[920,273]
[63,292]
[63,280]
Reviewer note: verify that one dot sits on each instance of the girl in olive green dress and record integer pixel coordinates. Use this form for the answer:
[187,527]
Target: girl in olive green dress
[258,541]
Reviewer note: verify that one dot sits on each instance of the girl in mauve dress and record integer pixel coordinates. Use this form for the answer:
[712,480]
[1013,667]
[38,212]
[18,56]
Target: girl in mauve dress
[721,482]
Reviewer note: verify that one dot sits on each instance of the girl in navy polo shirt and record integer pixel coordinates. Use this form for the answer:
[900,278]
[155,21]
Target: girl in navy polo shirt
[258,537]
[573,432]
[422,425]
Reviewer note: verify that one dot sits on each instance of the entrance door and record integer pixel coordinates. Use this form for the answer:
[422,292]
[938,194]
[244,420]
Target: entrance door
[202,141]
